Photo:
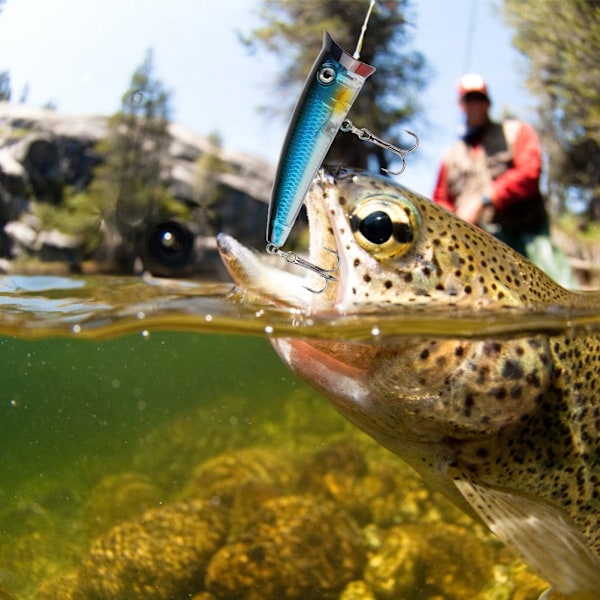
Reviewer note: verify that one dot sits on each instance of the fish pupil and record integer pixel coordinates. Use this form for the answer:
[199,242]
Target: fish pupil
[377,227]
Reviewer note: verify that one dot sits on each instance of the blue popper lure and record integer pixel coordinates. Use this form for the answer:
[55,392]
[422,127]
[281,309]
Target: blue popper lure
[332,86]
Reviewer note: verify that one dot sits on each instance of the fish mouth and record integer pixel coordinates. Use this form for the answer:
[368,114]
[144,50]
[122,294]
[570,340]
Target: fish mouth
[275,279]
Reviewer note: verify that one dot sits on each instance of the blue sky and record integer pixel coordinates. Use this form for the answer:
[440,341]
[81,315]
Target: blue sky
[81,55]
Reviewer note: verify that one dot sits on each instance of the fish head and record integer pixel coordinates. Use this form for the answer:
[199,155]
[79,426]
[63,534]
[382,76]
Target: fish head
[397,249]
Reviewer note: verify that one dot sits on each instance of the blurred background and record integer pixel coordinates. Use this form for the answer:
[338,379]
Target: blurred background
[131,132]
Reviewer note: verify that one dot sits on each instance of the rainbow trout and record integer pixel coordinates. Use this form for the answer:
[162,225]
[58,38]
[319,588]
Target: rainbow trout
[505,427]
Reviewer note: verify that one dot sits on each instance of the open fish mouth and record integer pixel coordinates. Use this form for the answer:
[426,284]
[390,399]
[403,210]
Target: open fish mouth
[270,278]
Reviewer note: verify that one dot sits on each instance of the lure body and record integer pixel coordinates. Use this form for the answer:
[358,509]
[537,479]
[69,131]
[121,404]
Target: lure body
[333,84]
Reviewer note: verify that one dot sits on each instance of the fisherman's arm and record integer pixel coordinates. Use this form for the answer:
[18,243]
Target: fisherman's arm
[522,180]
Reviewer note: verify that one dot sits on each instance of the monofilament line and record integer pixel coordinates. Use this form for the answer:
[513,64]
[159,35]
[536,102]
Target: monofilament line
[363,30]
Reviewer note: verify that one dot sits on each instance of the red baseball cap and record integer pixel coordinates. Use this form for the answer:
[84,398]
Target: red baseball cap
[472,83]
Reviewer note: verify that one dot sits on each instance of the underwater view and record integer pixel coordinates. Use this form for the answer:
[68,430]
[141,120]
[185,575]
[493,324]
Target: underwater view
[154,446]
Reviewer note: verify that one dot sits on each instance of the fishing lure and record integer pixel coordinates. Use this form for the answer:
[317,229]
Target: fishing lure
[333,84]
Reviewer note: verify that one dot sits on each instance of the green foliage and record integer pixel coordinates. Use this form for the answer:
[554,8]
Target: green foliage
[561,39]
[293,31]
[584,231]
[208,189]
[5,89]
[77,215]
[129,185]
[138,142]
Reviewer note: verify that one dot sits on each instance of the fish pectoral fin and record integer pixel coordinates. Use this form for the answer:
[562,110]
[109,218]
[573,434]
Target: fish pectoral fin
[542,533]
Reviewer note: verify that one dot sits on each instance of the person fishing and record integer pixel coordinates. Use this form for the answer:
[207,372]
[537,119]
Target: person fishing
[490,177]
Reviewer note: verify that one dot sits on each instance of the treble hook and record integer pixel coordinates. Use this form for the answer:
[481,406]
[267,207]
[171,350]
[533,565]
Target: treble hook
[294,259]
[365,135]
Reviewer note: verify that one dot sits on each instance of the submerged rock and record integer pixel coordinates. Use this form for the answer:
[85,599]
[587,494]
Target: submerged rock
[372,488]
[220,478]
[161,556]
[65,587]
[297,547]
[363,528]
[430,560]
[357,590]
[120,497]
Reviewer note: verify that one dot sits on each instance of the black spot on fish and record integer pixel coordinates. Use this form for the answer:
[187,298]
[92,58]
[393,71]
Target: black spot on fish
[499,393]
[512,369]
[533,380]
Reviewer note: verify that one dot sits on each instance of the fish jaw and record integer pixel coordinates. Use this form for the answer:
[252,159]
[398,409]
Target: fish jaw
[270,278]
[255,275]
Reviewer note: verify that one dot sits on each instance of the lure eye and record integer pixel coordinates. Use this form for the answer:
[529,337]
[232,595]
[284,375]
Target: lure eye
[385,225]
[326,74]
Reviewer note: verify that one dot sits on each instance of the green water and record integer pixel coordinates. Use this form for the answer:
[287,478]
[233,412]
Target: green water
[65,398]
[116,393]
[73,411]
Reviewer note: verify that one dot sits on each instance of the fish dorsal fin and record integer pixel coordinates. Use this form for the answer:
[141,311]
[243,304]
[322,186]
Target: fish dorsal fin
[542,533]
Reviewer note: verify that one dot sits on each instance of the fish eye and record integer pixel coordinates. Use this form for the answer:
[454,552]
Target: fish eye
[326,74]
[385,225]
[376,227]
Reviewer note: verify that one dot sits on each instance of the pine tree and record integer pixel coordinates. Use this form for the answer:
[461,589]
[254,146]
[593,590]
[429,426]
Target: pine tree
[136,150]
[561,41]
[5,89]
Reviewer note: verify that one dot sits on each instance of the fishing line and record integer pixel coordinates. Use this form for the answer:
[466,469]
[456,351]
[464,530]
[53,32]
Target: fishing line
[363,30]
[469,38]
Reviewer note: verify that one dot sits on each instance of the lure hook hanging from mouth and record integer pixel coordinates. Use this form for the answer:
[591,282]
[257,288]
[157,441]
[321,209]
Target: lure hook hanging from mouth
[366,136]
[294,259]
